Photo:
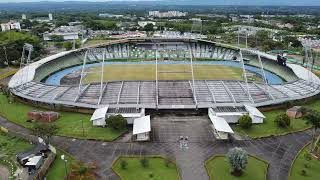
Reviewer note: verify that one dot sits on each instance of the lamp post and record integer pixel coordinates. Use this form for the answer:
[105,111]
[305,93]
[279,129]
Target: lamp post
[65,164]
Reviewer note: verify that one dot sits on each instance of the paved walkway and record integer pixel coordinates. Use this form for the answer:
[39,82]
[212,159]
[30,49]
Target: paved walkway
[278,151]
[4,173]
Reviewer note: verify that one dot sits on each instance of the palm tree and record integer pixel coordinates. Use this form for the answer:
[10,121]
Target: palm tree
[313,118]
[82,171]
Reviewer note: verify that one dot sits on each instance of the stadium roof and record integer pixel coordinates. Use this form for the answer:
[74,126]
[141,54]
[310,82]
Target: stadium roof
[304,73]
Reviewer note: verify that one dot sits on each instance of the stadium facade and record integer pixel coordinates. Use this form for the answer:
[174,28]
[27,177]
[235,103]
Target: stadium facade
[29,82]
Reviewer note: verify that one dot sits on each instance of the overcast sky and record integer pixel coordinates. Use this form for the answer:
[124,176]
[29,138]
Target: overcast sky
[228,2]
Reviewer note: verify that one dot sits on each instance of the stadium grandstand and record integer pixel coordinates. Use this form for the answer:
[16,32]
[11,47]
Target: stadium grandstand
[293,81]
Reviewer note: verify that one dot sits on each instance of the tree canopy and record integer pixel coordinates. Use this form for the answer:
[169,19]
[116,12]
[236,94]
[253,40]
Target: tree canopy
[11,44]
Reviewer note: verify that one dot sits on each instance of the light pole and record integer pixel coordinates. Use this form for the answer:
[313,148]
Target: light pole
[82,127]
[65,164]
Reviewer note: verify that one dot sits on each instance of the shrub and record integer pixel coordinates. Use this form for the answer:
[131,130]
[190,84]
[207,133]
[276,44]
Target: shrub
[144,162]
[167,162]
[238,159]
[117,122]
[151,175]
[123,164]
[245,121]
[307,165]
[303,172]
[307,156]
[283,120]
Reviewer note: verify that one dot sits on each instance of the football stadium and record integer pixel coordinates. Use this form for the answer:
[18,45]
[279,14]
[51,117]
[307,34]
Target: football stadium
[162,73]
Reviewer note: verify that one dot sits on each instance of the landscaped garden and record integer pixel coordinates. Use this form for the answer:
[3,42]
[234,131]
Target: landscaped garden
[69,124]
[305,166]
[269,127]
[144,168]
[218,168]
[10,146]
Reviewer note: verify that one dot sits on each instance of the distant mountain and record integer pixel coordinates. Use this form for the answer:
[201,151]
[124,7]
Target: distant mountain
[249,2]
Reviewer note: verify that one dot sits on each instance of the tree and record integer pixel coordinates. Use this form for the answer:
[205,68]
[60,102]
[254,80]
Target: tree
[123,164]
[148,27]
[245,121]
[313,118]
[117,122]
[82,171]
[13,43]
[238,159]
[67,45]
[144,162]
[45,131]
[282,120]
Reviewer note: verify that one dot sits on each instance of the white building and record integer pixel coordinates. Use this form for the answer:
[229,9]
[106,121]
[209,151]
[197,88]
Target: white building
[65,36]
[141,128]
[10,26]
[99,117]
[220,127]
[144,23]
[255,114]
[234,115]
[23,16]
[167,14]
[50,17]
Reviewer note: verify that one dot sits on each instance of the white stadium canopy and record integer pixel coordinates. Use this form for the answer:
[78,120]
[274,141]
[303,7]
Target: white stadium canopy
[141,125]
[99,113]
[220,124]
[254,111]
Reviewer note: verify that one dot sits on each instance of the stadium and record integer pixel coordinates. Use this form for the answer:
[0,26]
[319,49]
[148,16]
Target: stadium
[162,73]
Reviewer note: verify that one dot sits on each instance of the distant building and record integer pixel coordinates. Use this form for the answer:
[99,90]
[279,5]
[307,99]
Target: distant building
[10,26]
[167,14]
[5,27]
[23,16]
[107,15]
[64,36]
[50,17]
[144,23]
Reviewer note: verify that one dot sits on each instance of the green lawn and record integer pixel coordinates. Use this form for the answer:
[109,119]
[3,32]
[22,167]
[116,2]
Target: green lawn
[269,128]
[133,72]
[57,169]
[10,146]
[69,123]
[298,165]
[219,169]
[156,167]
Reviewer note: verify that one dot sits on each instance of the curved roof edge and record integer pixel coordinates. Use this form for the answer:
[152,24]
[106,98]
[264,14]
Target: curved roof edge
[304,73]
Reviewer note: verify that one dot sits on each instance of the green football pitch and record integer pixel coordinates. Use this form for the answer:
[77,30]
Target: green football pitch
[165,72]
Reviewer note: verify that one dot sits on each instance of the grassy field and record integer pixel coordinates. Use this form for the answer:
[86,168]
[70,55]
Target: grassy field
[156,167]
[219,169]
[57,169]
[10,146]
[299,165]
[269,128]
[147,72]
[70,124]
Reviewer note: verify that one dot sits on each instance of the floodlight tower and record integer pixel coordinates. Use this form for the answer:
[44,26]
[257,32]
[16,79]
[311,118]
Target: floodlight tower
[25,61]
[197,26]
[309,58]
